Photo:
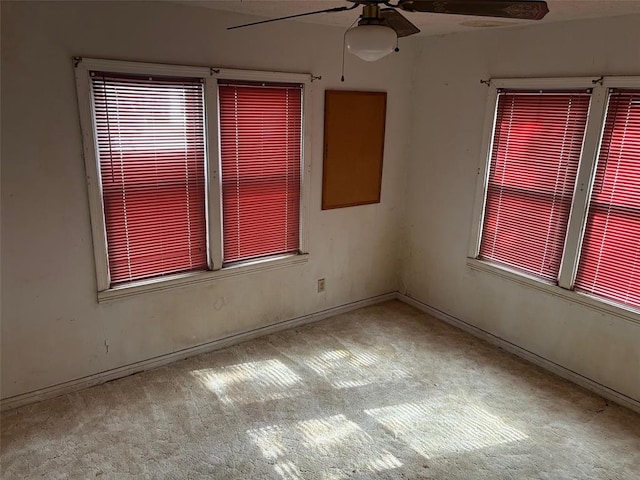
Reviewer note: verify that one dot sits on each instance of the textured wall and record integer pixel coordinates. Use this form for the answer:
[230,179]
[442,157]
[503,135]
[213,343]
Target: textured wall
[53,330]
[446,148]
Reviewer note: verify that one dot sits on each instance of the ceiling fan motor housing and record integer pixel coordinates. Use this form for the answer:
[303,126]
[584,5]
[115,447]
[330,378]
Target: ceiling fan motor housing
[370,15]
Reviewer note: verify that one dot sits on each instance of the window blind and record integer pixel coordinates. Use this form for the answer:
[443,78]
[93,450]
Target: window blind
[534,160]
[260,145]
[609,263]
[150,138]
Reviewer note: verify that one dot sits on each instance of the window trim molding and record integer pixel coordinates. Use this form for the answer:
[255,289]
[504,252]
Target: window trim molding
[192,278]
[483,172]
[581,196]
[210,77]
[94,185]
[582,190]
[213,177]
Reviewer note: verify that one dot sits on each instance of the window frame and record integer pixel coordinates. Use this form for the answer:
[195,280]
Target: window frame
[213,199]
[564,287]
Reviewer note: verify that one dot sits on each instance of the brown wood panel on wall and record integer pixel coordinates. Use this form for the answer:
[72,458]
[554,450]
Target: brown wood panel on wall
[354,124]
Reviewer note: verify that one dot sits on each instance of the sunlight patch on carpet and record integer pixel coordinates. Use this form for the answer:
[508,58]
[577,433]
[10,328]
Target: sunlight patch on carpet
[348,368]
[251,382]
[445,426]
[288,471]
[332,445]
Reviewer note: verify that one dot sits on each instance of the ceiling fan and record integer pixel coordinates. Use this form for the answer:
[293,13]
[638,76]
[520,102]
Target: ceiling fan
[378,29]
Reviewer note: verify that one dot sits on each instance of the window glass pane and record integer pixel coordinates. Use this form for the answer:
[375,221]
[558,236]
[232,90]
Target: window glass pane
[610,258]
[534,160]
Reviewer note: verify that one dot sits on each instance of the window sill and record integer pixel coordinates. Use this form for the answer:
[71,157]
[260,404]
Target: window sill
[604,306]
[192,278]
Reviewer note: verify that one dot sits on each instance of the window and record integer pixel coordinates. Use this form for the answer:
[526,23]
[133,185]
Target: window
[610,260]
[150,139]
[260,145]
[559,186]
[193,173]
[534,161]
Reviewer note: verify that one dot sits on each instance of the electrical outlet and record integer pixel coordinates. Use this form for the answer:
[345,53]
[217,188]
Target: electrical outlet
[320,285]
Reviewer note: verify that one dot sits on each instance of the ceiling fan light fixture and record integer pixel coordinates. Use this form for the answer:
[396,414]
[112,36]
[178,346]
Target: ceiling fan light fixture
[371,42]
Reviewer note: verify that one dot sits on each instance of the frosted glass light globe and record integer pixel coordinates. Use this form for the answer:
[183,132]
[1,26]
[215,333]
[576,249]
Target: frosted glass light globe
[371,42]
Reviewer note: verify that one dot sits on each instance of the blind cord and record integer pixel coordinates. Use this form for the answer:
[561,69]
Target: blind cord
[344,45]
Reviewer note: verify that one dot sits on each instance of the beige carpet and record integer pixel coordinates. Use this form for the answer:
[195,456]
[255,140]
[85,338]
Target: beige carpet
[382,392]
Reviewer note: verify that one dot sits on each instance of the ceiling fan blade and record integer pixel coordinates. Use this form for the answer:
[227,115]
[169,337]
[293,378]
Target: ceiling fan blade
[328,10]
[522,9]
[394,19]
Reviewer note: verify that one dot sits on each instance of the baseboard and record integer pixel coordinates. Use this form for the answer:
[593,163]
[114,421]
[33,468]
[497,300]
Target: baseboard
[559,370]
[108,375]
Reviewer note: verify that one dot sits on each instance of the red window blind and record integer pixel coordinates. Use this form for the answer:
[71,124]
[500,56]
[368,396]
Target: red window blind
[150,137]
[609,263]
[260,144]
[534,160]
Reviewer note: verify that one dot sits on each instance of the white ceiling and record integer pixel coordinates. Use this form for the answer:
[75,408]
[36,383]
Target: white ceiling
[429,23]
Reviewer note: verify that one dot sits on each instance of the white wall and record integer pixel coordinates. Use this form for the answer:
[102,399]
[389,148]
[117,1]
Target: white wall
[53,329]
[446,142]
